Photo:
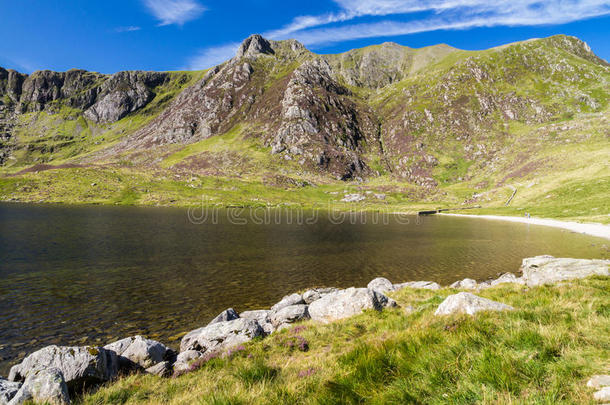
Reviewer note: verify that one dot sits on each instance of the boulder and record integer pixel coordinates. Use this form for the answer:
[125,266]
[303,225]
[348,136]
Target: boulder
[599,381]
[381,284]
[44,386]
[314,294]
[345,303]
[541,270]
[262,317]
[163,369]
[226,315]
[184,360]
[602,395]
[290,314]
[426,285]
[465,284]
[467,303]
[138,352]
[292,299]
[79,365]
[221,335]
[8,389]
[507,278]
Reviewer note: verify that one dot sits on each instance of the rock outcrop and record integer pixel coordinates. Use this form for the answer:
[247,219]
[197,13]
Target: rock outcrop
[470,304]
[548,269]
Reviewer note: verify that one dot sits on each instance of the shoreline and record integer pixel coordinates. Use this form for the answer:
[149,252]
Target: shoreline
[591,229]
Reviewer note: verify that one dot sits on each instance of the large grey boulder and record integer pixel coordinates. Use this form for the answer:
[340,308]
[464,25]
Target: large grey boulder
[465,284]
[467,303]
[288,300]
[8,389]
[425,285]
[262,317]
[290,314]
[345,303]
[222,335]
[541,270]
[227,315]
[381,284]
[138,352]
[314,294]
[79,365]
[45,386]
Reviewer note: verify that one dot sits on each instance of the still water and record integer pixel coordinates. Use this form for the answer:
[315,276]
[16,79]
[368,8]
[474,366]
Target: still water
[91,275]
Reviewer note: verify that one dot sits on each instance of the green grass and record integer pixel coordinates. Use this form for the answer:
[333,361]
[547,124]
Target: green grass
[541,353]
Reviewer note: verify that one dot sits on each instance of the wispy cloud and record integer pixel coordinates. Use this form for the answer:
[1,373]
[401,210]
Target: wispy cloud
[343,25]
[174,11]
[212,56]
[130,28]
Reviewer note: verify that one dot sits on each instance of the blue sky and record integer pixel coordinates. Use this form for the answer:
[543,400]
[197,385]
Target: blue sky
[113,35]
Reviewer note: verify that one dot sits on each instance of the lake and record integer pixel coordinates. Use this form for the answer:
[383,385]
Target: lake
[73,275]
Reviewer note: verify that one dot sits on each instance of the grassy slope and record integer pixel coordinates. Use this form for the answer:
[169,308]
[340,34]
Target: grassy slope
[543,352]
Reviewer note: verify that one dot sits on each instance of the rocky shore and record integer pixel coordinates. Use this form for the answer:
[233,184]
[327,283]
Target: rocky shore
[55,374]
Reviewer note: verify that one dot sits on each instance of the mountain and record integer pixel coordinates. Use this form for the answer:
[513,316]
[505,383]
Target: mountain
[435,124]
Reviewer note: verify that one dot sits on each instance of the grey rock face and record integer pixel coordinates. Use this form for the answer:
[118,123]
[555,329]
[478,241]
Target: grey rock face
[465,284]
[8,389]
[226,315]
[314,294]
[381,284]
[79,365]
[426,285]
[599,381]
[45,386]
[221,335]
[288,300]
[139,352]
[122,93]
[467,303]
[541,270]
[345,303]
[185,358]
[290,314]
[253,46]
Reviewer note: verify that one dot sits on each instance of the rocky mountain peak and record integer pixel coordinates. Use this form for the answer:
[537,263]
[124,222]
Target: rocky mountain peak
[255,45]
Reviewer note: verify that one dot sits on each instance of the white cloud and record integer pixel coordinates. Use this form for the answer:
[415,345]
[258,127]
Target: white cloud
[316,30]
[174,11]
[130,28]
[212,56]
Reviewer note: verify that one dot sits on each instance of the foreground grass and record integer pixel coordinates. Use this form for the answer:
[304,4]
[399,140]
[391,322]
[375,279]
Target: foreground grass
[543,352]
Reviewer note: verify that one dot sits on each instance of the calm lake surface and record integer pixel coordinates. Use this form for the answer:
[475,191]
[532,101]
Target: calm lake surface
[91,275]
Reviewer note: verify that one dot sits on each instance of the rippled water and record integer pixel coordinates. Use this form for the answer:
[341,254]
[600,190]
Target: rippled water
[89,275]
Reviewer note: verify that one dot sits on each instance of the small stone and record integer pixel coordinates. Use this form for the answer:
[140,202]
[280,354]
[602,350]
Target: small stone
[163,369]
[465,284]
[599,381]
[290,314]
[602,395]
[227,315]
[425,285]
